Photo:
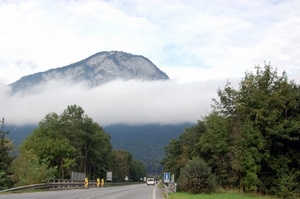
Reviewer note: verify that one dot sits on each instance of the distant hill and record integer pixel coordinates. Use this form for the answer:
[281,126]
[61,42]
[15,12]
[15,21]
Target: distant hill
[146,143]
[96,70]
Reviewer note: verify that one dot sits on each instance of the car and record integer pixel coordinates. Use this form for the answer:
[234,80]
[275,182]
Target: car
[150,181]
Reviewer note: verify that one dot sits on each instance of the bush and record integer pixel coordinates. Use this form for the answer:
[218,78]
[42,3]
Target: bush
[29,169]
[196,177]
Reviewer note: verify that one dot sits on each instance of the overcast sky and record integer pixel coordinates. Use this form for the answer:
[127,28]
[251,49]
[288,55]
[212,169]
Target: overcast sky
[199,44]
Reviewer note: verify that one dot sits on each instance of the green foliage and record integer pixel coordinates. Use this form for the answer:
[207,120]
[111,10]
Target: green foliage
[252,138]
[124,165]
[71,142]
[248,145]
[145,142]
[264,115]
[213,146]
[140,140]
[30,169]
[5,162]
[288,186]
[196,177]
[137,170]
[178,152]
[121,164]
[5,181]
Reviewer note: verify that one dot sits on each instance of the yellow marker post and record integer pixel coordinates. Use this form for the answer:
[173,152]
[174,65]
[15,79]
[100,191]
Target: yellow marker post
[98,182]
[102,182]
[86,183]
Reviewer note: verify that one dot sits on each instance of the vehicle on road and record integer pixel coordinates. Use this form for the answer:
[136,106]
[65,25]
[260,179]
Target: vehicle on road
[150,181]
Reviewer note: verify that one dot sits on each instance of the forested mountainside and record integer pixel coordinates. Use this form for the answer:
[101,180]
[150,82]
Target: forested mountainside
[145,142]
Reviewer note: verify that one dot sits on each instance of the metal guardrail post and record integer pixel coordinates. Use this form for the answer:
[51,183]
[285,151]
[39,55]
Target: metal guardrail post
[172,186]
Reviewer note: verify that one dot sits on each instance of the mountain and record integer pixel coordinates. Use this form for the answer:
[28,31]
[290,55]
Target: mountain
[96,70]
[146,143]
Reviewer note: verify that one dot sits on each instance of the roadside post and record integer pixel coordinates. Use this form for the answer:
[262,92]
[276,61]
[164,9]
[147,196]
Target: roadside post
[102,182]
[86,183]
[98,182]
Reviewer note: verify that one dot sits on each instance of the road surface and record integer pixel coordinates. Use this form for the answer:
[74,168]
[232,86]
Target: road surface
[140,191]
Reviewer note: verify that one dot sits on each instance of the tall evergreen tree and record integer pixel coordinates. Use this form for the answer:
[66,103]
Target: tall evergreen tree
[5,160]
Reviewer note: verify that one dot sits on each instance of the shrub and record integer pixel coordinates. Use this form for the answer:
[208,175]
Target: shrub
[196,177]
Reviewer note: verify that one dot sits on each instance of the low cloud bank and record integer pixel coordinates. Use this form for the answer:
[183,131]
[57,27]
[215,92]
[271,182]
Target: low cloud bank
[126,102]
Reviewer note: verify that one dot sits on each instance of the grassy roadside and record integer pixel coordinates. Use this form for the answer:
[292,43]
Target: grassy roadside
[225,195]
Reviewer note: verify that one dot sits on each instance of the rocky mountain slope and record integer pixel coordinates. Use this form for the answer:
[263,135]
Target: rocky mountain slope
[97,69]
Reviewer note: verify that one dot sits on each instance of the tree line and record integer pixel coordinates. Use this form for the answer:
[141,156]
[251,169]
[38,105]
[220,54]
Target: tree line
[251,139]
[64,143]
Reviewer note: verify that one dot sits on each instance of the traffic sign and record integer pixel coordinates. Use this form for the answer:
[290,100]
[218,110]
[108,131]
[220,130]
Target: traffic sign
[166,177]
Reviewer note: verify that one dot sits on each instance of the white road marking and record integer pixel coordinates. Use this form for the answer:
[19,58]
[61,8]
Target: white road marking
[153,194]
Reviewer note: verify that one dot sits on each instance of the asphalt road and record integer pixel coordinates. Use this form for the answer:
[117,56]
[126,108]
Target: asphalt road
[140,191]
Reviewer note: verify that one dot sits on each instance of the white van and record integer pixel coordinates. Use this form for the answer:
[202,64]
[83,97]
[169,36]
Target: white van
[150,181]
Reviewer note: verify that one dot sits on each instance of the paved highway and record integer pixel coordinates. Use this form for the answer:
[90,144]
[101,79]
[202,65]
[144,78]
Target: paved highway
[140,191]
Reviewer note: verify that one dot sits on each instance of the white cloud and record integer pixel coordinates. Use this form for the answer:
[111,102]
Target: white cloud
[130,102]
[193,41]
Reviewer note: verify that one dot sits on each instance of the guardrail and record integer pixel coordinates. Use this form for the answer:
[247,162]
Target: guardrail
[61,184]
[48,185]
[170,187]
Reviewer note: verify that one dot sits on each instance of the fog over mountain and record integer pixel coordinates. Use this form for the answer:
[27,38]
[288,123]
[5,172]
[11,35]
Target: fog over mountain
[112,88]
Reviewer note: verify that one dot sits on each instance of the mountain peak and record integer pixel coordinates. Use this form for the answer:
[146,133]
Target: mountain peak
[96,70]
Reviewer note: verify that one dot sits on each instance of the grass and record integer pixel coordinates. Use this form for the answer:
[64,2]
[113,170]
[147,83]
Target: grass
[226,195]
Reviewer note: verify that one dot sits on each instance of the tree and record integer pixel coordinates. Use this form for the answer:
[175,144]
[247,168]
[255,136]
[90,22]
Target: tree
[196,177]
[251,140]
[30,169]
[137,170]
[5,160]
[124,165]
[179,151]
[172,161]
[121,165]
[264,116]
[72,142]
[214,146]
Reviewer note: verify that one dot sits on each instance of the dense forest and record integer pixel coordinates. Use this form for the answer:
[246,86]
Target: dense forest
[145,142]
[251,140]
[64,143]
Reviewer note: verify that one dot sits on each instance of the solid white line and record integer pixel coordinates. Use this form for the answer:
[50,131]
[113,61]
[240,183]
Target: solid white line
[154,191]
